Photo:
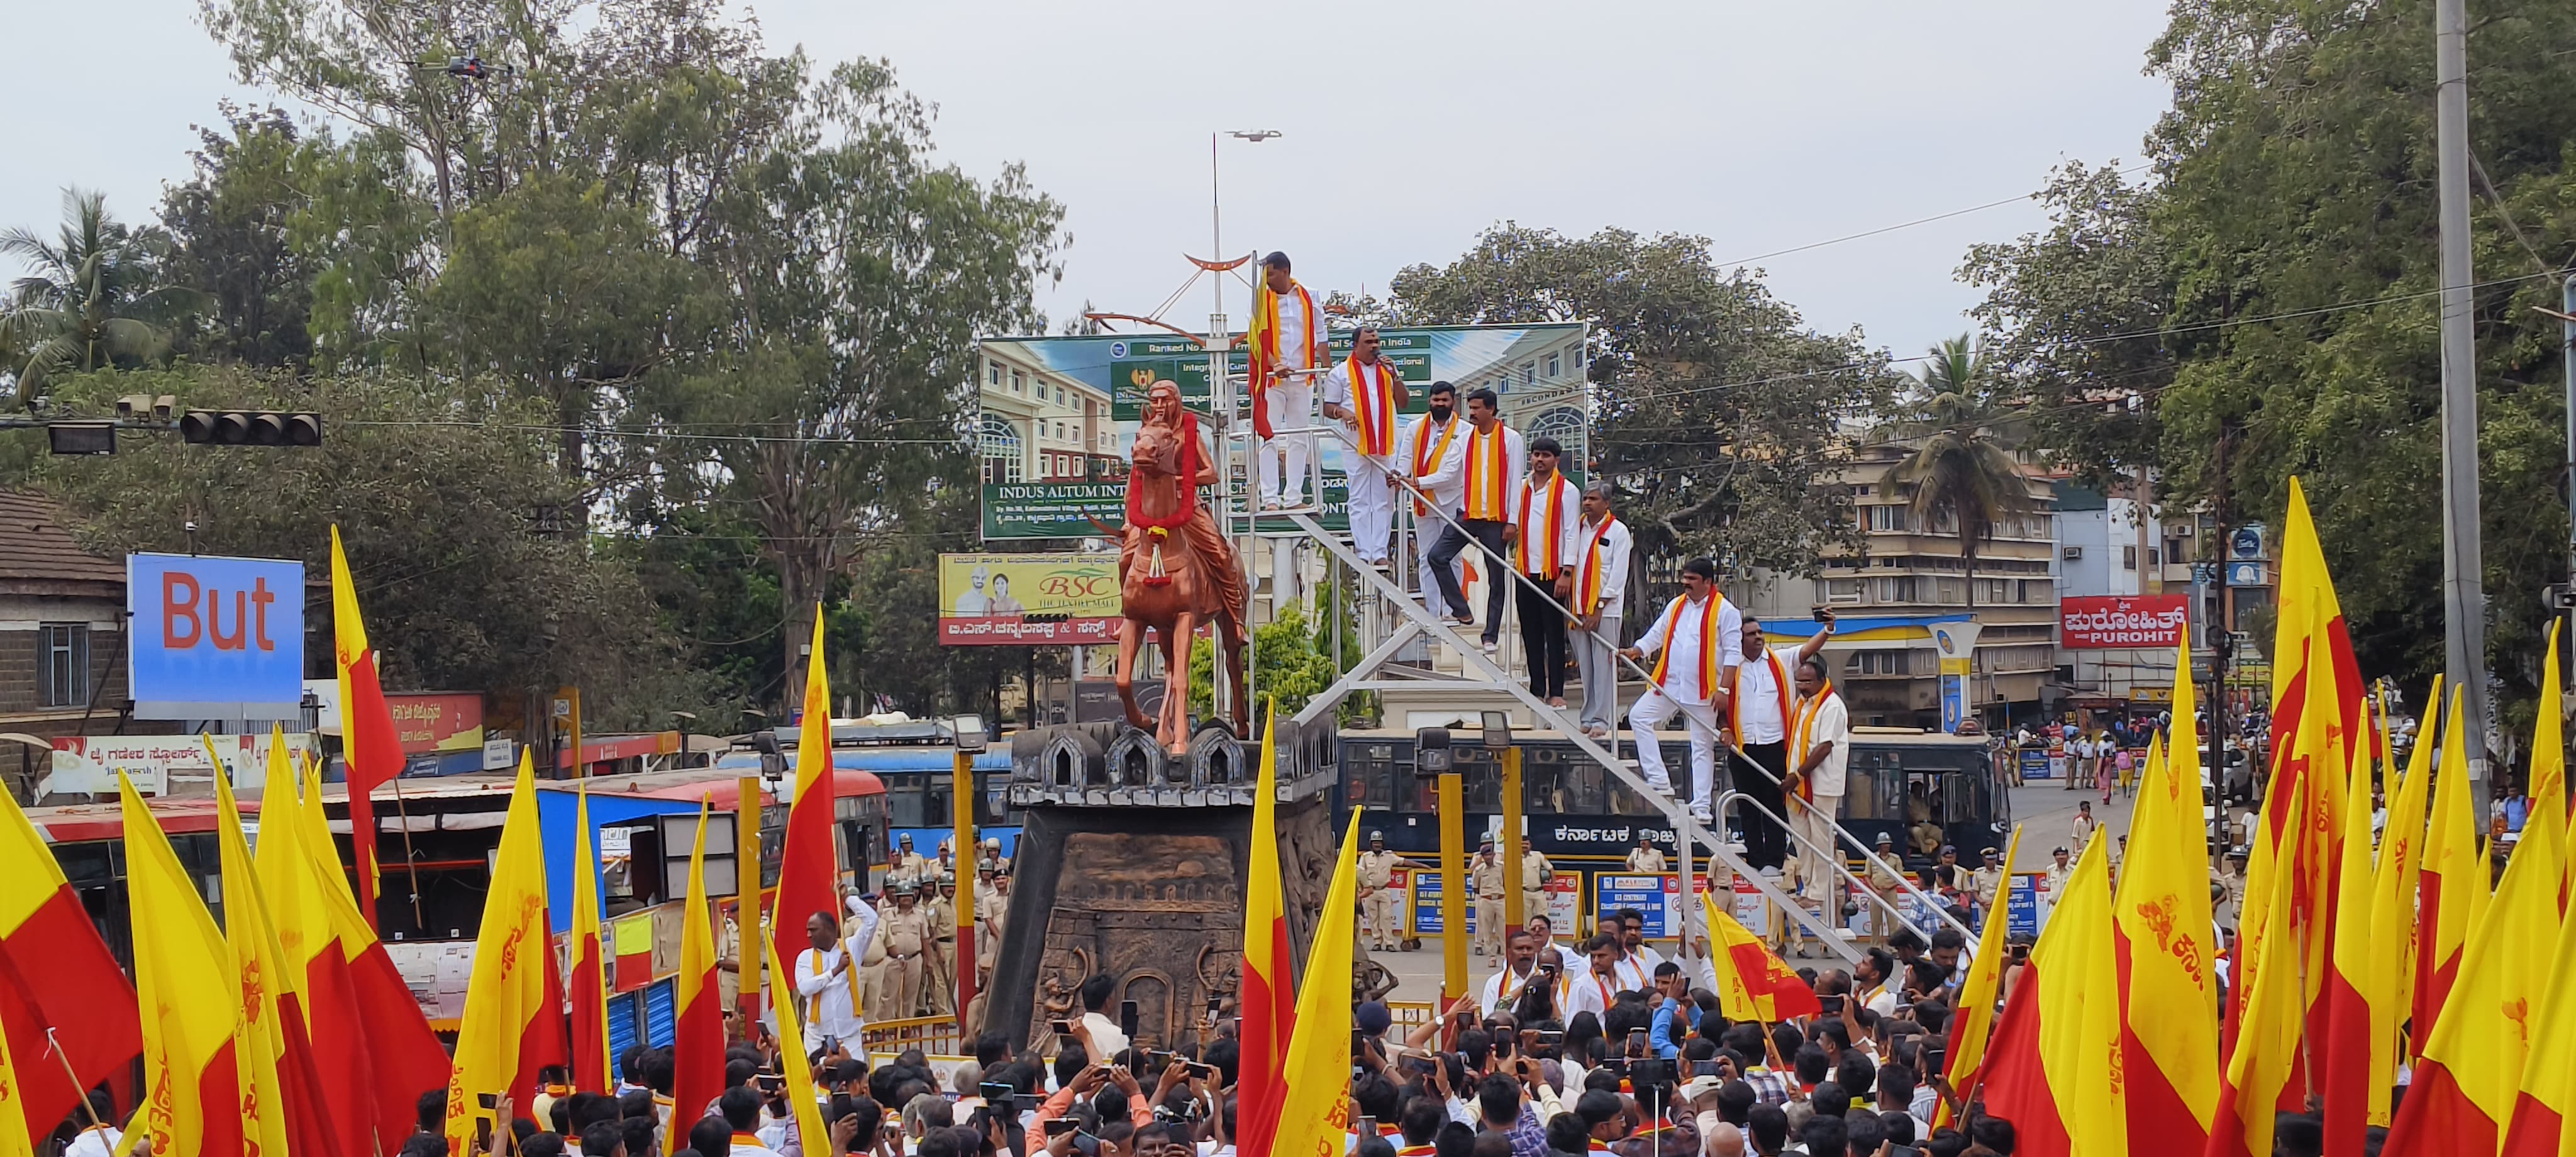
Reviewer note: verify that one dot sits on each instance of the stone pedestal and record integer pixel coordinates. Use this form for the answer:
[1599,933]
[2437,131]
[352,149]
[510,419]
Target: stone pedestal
[1132,863]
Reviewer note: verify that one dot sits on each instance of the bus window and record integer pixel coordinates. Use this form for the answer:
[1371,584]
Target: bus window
[1551,783]
[1368,777]
[1625,801]
[1480,781]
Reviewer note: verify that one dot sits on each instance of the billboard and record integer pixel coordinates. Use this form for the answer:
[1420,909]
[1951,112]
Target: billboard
[173,765]
[215,638]
[1058,413]
[437,722]
[2101,621]
[993,600]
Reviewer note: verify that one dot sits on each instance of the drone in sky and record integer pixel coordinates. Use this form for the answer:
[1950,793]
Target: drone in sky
[467,67]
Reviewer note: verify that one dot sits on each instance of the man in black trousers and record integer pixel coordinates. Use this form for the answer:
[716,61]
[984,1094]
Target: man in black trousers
[1758,723]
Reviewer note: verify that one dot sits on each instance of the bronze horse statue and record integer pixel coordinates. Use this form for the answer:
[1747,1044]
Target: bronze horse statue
[1175,572]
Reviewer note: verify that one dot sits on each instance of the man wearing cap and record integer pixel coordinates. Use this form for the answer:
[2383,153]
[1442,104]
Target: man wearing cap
[940,989]
[907,937]
[2054,879]
[2232,877]
[1986,885]
[1535,873]
[909,864]
[1378,906]
[1485,875]
[1885,884]
[1645,857]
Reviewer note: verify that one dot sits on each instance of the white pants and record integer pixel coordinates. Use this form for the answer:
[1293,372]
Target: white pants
[1815,824]
[1291,405]
[1652,709]
[1372,509]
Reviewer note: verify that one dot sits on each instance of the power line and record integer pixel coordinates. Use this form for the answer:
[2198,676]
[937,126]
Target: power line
[2034,195]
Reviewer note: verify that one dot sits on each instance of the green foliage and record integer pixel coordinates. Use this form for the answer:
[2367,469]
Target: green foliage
[228,238]
[1291,662]
[443,507]
[2272,294]
[93,297]
[1961,467]
[1716,410]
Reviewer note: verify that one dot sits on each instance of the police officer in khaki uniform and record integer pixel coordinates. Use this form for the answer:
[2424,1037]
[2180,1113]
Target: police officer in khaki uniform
[1645,857]
[1485,873]
[1986,884]
[940,989]
[907,936]
[2234,881]
[988,917]
[2054,879]
[1378,906]
[908,863]
[1886,885]
[1535,873]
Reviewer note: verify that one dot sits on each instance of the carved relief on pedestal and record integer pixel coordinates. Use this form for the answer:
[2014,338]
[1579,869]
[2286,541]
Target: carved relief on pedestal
[1134,906]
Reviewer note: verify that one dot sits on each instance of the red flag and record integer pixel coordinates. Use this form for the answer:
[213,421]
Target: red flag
[698,1045]
[2015,1082]
[591,1071]
[368,740]
[808,876]
[1269,996]
[55,972]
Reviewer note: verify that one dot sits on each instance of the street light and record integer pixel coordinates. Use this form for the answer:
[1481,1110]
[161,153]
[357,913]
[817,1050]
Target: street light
[969,737]
[1216,230]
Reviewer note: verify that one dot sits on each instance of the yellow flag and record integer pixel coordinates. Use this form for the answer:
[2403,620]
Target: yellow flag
[791,1044]
[508,986]
[2454,887]
[190,993]
[2485,1030]
[1315,1113]
[260,963]
[1972,1026]
[14,1141]
[2392,905]
[2162,915]
[2544,1120]
[2079,1010]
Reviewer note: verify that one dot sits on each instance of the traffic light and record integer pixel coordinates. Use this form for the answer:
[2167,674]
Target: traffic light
[250,428]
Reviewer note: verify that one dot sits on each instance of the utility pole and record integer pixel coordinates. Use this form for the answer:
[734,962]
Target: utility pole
[2567,355]
[2463,593]
[2221,634]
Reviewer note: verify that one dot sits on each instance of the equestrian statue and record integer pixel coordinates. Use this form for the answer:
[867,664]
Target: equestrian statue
[1175,572]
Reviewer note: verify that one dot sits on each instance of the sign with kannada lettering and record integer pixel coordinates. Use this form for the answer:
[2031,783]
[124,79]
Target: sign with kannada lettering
[995,600]
[2110,621]
[1059,413]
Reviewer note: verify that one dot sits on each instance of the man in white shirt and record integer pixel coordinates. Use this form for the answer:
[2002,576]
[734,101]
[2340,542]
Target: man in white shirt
[100,1139]
[1289,340]
[1365,394]
[1543,937]
[1595,589]
[1435,450]
[1639,956]
[1520,970]
[1820,748]
[1106,1039]
[1599,986]
[827,975]
[1490,461]
[1546,514]
[1757,722]
[1691,674]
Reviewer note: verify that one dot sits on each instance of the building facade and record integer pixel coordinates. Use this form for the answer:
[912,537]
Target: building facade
[62,639]
[1039,426]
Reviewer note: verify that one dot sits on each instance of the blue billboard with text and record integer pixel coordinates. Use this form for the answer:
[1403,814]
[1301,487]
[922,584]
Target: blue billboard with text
[215,638]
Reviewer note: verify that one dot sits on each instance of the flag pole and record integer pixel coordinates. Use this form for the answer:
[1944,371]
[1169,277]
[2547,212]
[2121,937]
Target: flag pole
[81,1092]
[411,863]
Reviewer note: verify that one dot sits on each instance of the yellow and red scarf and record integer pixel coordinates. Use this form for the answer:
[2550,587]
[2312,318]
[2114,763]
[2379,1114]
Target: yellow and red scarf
[1489,465]
[1541,558]
[1264,340]
[1779,684]
[1373,404]
[1802,735]
[1427,455]
[1587,578]
[1707,640]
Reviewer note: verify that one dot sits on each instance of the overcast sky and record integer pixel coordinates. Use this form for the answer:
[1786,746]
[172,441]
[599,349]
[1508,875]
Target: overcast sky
[1411,125]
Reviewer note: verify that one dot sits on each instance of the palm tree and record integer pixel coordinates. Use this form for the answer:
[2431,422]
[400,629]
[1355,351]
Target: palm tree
[91,300]
[1962,462]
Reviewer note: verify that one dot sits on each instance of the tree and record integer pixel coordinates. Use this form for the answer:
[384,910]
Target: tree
[1715,410]
[93,299]
[1961,469]
[229,239]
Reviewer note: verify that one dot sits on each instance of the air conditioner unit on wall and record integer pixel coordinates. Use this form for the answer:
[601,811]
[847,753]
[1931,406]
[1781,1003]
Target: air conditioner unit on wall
[2071,553]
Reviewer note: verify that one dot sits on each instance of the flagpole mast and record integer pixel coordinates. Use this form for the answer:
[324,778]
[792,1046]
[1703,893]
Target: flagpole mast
[2463,593]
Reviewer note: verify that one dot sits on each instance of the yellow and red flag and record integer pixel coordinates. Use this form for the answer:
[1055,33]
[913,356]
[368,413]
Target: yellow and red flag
[2347,1043]
[55,972]
[2392,909]
[505,997]
[2315,679]
[1752,983]
[185,979]
[368,740]
[1972,1025]
[2544,1114]
[2166,939]
[588,983]
[2465,1089]
[2453,885]
[791,1043]
[315,996]
[698,1044]
[1315,1105]
[15,1140]
[1268,997]
[2270,1015]
[2054,1068]
[808,877]
[284,1108]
